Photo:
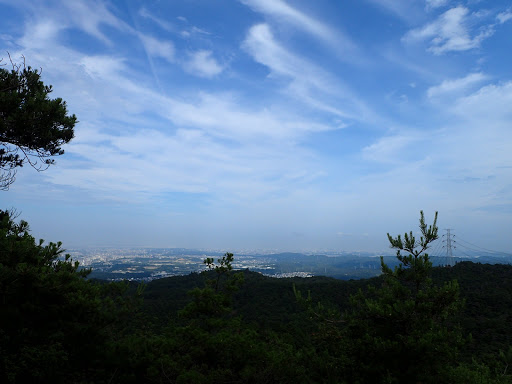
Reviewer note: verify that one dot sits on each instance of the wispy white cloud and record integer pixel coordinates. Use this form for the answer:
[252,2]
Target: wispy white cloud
[102,67]
[190,31]
[158,48]
[406,10]
[503,17]
[210,143]
[184,29]
[492,100]
[473,146]
[41,34]
[432,4]
[456,85]
[189,160]
[450,32]
[91,15]
[412,65]
[194,31]
[392,149]
[476,147]
[280,10]
[223,148]
[261,44]
[306,80]
[88,16]
[143,12]
[203,64]
[221,115]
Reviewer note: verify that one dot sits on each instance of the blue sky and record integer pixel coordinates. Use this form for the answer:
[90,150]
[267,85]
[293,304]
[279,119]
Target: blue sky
[270,124]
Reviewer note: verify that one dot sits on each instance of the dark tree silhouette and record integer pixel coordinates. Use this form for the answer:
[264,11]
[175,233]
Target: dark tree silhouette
[33,127]
[404,331]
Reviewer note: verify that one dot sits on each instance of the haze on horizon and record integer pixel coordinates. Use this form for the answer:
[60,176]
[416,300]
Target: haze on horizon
[270,124]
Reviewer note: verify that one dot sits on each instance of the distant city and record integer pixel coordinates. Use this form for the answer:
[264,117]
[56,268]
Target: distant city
[146,264]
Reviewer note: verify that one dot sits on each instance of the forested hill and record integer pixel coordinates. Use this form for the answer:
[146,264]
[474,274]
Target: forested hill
[265,300]
[487,313]
[271,303]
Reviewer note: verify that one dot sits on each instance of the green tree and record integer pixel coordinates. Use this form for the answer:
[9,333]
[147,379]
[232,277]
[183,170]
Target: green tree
[33,127]
[403,332]
[212,303]
[54,324]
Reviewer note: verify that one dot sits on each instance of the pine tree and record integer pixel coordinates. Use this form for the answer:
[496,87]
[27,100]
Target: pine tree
[33,127]
[54,323]
[403,331]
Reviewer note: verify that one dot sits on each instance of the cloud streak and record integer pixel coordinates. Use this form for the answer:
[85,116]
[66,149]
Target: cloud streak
[306,81]
[404,9]
[450,87]
[281,11]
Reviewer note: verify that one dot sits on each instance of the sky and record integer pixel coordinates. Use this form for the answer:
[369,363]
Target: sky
[269,124]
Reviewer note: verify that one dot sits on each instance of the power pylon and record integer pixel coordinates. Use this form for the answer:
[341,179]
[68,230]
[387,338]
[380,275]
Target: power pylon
[450,260]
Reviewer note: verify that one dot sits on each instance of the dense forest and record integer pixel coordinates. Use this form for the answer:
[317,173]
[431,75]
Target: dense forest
[412,324]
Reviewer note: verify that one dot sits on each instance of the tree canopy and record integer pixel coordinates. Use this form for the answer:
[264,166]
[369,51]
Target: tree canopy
[404,332]
[33,127]
[56,326]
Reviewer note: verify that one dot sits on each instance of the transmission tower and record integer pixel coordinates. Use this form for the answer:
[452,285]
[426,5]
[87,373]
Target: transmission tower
[450,260]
